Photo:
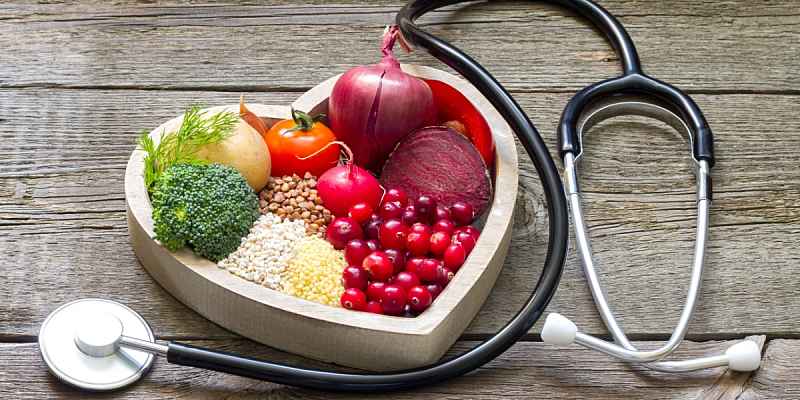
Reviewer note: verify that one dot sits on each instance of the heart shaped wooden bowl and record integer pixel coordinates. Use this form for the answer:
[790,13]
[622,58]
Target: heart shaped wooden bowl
[355,339]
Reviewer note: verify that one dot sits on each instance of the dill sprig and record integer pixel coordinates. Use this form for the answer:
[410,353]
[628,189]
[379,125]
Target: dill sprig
[181,146]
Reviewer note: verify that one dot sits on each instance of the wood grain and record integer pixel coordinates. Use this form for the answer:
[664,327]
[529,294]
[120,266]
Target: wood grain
[777,378]
[64,141]
[62,211]
[749,46]
[528,370]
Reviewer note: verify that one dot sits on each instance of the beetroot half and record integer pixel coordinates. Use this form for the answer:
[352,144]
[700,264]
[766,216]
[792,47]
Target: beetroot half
[438,161]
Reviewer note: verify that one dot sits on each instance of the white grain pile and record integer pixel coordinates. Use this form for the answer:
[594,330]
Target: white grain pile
[265,252]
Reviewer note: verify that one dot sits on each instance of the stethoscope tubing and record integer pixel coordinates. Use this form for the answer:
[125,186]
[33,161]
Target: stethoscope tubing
[517,327]
[636,84]
[535,147]
[633,81]
[624,349]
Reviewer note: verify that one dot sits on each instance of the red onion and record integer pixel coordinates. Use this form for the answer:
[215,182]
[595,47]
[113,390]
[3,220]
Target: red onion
[373,107]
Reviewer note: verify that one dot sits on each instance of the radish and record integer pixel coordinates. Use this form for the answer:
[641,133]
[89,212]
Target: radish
[345,185]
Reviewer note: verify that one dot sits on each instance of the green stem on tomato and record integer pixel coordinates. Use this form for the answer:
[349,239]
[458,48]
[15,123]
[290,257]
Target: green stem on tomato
[303,121]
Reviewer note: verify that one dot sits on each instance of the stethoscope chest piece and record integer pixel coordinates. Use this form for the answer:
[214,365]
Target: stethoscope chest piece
[79,344]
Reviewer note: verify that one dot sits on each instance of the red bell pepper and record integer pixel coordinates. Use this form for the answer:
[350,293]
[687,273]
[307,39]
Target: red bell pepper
[453,106]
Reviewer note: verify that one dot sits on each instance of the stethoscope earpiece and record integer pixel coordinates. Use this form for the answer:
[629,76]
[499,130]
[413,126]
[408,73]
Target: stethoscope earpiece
[744,356]
[558,330]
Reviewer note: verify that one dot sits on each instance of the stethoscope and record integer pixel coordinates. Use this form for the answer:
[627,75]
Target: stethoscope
[97,344]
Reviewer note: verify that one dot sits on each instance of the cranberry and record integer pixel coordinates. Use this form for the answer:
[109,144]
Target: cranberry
[419,298]
[409,215]
[444,225]
[355,251]
[374,307]
[441,212]
[354,277]
[444,275]
[354,299]
[427,270]
[396,195]
[413,263]
[418,243]
[373,244]
[462,212]
[454,256]
[379,266]
[360,212]
[373,227]
[465,239]
[469,229]
[375,290]
[393,300]
[408,312]
[420,227]
[435,289]
[342,230]
[439,242]
[391,210]
[398,259]
[393,234]
[426,205]
[405,280]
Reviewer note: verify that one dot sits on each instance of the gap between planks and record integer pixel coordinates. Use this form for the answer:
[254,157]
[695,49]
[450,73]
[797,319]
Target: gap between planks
[522,371]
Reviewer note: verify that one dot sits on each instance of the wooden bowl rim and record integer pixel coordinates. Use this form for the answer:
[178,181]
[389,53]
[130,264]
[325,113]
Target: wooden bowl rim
[500,216]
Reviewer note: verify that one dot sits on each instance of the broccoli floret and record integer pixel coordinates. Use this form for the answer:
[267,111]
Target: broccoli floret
[209,207]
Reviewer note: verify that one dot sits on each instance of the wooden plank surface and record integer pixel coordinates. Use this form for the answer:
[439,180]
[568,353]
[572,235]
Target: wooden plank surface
[778,376]
[61,187]
[528,370]
[750,46]
[79,81]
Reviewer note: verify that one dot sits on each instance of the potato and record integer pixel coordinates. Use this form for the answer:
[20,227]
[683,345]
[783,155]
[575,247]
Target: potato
[244,150]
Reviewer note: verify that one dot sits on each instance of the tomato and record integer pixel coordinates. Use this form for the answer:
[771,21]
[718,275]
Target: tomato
[290,141]
[453,106]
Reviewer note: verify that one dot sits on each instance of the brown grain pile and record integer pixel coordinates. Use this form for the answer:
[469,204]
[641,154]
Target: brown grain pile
[296,198]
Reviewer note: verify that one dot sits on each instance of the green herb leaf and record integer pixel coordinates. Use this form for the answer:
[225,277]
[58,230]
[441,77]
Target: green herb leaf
[181,146]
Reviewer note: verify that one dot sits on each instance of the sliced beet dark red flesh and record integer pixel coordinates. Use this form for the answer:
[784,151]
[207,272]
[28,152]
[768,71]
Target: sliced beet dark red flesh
[439,162]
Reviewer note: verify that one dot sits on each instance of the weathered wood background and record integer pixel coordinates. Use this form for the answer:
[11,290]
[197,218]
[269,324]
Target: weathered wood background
[78,81]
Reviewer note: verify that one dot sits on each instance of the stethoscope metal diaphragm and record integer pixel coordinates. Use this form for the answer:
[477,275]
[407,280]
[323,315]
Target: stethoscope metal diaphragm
[79,343]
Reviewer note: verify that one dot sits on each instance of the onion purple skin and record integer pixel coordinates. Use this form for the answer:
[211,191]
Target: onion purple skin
[373,107]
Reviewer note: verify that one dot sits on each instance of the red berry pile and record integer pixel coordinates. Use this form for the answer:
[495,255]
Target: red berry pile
[402,255]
